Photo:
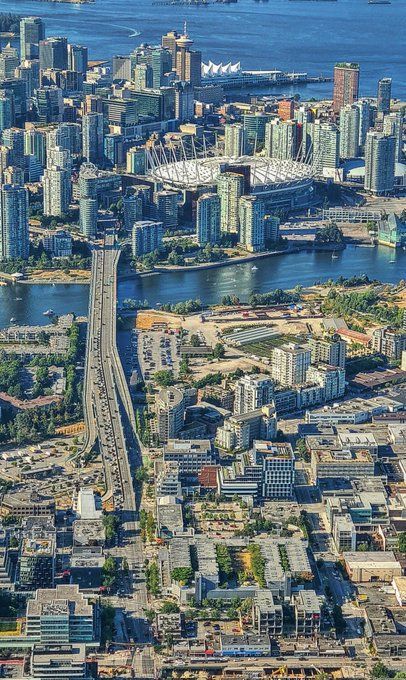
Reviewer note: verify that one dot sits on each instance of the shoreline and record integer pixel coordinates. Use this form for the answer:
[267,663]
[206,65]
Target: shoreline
[165,269]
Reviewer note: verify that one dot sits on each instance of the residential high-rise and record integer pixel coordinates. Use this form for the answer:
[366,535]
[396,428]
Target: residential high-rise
[6,111]
[136,160]
[364,121]
[66,136]
[166,203]
[380,153]
[32,31]
[184,102]
[393,126]
[188,62]
[277,461]
[14,242]
[254,127]
[290,363]
[281,139]
[121,67]
[88,214]
[77,58]
[53,53]
[92,136]
[61,158]
[132,209]
[346,83]
[142,76]
[57,188]
[146,237]
[35,144]
[113,149]
[28,72]
[252,223]
[349,131]
[170,411]
[325,139]
[208,211]
[13,139]
[230,186]
[252,392]
[384,95]
[329,350]
[37,554]
[234,140]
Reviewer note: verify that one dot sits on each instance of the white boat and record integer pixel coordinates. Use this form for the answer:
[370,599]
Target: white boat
[49,312]
[13,320]
[254,268]
[18,299]
[334,256]
[392,261]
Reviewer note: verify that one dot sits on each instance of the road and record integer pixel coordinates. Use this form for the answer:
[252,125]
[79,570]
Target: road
[110,419]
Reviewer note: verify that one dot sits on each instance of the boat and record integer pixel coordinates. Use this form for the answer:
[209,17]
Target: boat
[392,261]
[379,2]
[254,268]
[334,256]
[18,299]
[49,312]
[13,320]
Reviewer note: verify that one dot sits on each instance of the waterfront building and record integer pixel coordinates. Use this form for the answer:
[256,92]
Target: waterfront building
[166,203]
[92,132]
[290,363]
[252,392]
[234,140]
[384,95]
[392,232]
[136,160]
[14,241]
[188,62]
[57,243]
[277,461]
[281,139]
[49,104]
[230,186]
[393,126]
[349,131]
[379,163]
[57,189]
[170,411]
[6,112]
[168,42]
[286,109]
[208,211]
[252,223]
[254,127]
[132,210]
[53,54]
[88,215]
[326,146]
[32,31]
[146,237]
[271,228]
[77,58]
[346,83]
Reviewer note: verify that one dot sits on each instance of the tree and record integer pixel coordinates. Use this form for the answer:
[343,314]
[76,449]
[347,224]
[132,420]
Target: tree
[379,671]
[164,378]
[195,340]
[169,607]
[182,575]
[218,351]
[402,542]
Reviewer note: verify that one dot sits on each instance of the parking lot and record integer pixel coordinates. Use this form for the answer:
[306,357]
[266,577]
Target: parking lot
[158,351]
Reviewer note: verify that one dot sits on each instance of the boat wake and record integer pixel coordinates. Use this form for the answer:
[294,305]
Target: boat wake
[134,33]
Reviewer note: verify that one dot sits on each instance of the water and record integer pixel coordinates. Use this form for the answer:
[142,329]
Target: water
[302,36]
[285,271]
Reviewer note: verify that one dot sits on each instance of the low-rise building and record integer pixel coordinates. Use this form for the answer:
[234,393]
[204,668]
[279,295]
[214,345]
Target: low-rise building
[247,644]
[370,567]
[307,614]
[190,455]
[341,463]
[267,615]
